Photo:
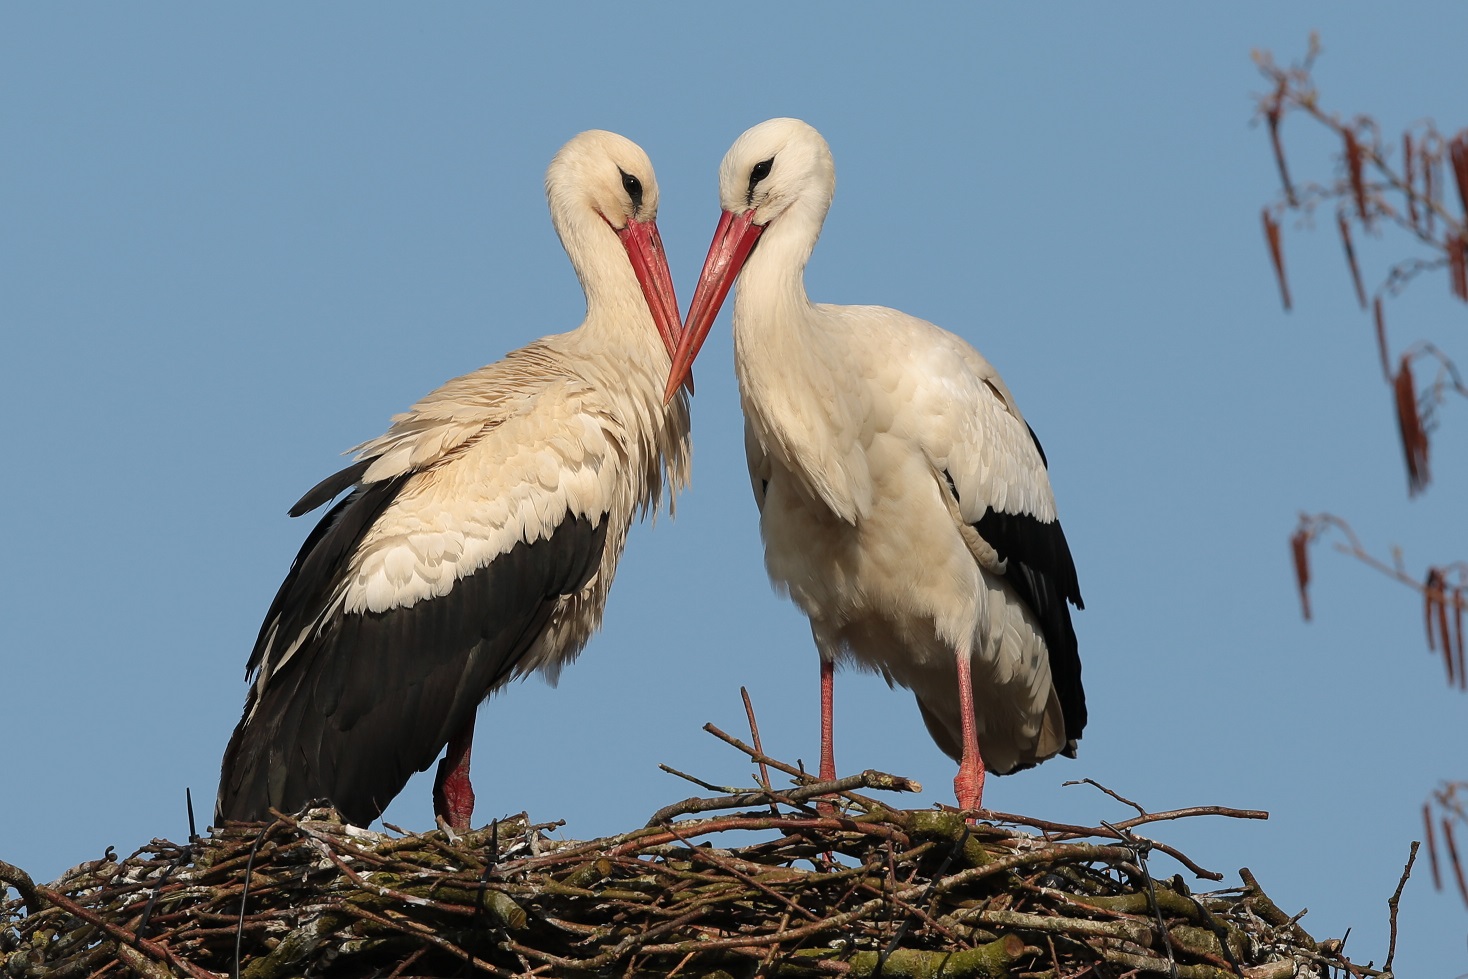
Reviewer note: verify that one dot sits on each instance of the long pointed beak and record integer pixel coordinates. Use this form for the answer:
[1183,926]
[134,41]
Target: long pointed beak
[733,241]
[650,264]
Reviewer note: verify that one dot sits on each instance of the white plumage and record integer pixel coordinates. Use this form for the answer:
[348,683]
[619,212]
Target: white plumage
[481,531]
[905,504]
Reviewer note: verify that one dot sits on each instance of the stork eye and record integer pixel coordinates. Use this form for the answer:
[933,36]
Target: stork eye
[761,171]
[633,186]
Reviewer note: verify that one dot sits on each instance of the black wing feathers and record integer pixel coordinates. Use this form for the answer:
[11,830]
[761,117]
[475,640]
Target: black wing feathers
[1043,573]
[371,698]
[321,559]
[1033,438]
[332,485]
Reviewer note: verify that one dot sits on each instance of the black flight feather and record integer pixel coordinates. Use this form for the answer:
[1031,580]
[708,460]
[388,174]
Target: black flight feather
[1040,570]
[329,487]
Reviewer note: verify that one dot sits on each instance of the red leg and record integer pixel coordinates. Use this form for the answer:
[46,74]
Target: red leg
[453,796]
[828,751]
[968,784]
[828,699]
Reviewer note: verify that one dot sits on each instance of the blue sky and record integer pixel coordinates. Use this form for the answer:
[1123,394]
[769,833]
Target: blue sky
[233,243]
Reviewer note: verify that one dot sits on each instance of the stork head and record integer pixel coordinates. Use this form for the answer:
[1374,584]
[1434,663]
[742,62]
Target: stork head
[777,175]
[598,185]
[778,164]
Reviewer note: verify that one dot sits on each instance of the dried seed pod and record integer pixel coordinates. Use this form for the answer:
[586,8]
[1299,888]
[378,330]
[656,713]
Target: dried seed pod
[1300,549]
[1430,160]
[1356,167]
[1458,155]
[1458,266]
[1276,255]
[1409,179]
[1345,227]
[1437,877]
[1457,599]
[1381,348]
[1453,858]
[1434,594]
[1409,422]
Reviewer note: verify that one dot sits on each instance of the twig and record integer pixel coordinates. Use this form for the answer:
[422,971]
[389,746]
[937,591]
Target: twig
[244,896]
[122,934]
[1068,831]
[907,785]
[1119,798]
[1140,847]
[1392,902]
[764,769]
[868,779]
[725,789]
[21,881]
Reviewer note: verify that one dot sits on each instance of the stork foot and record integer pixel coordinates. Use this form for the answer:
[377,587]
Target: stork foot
[453,795]
[453,798]
[968,785]
[825,805]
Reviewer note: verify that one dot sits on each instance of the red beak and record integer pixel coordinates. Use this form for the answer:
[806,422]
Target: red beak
[650,264]
[733,241]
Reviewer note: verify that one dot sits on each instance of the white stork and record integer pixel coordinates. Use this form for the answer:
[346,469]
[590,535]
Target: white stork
[481,531]
[904,502]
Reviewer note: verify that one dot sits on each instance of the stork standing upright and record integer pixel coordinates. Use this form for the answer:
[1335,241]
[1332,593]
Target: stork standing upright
[904,502]
[481,531]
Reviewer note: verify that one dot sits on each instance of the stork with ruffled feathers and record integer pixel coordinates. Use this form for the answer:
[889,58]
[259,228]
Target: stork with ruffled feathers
[479,535]
[905,504]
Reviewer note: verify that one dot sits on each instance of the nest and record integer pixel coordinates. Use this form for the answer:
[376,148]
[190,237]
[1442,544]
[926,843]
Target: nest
[816,880]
